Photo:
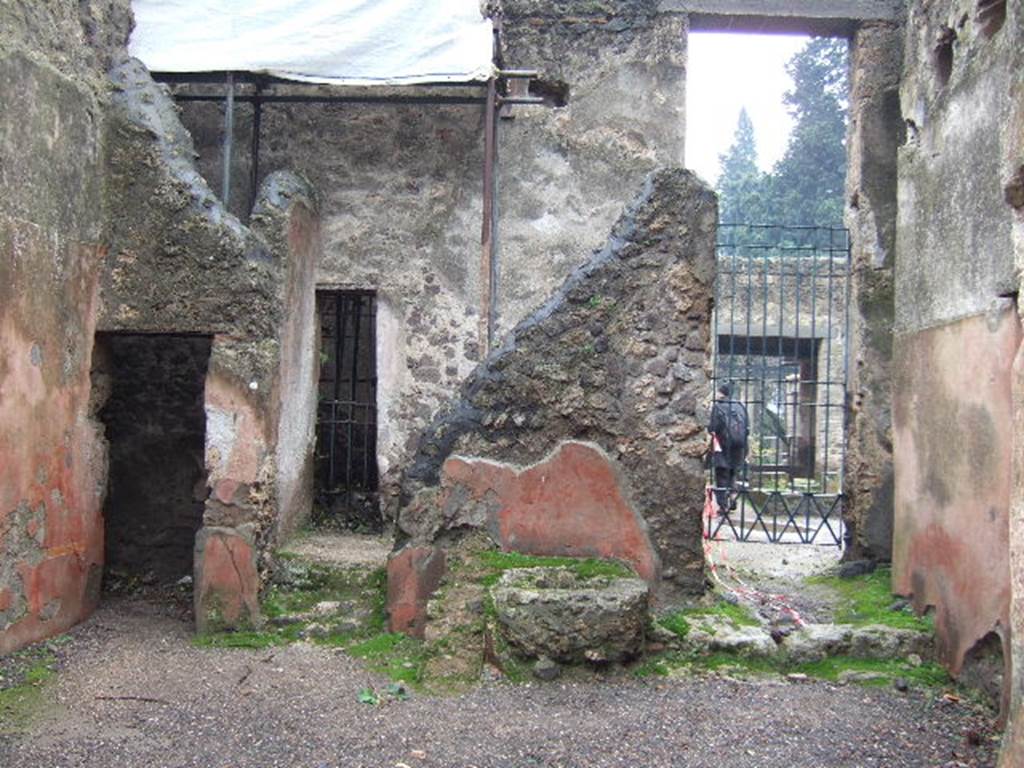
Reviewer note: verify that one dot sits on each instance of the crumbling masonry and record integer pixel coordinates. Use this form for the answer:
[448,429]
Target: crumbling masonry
[110,240]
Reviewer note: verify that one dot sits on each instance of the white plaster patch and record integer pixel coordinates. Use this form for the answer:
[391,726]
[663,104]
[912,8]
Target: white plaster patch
[390,368]
[221,434]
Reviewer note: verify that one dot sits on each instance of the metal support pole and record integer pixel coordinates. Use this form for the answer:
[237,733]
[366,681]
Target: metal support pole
[487,227]
[257,115]
[229,130]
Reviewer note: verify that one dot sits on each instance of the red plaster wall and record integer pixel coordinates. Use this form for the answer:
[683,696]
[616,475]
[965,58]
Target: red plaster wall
[227,583]
[238,458]
[953,443]
[572,503]
[52,462]
[413,575]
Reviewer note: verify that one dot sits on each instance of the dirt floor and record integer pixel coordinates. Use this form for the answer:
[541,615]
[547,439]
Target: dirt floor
[132,689]
[776,572]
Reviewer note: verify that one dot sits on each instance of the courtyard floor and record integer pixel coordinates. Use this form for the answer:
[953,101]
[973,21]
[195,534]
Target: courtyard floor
[132,689]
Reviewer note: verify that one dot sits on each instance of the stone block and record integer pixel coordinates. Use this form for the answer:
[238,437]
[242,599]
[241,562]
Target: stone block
[413,575]
[553,612]
[226,581]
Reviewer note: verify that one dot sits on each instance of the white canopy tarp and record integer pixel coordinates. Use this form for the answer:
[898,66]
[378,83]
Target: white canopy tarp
[344,42]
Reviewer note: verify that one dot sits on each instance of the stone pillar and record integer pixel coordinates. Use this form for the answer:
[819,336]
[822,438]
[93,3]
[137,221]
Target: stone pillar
[875,132]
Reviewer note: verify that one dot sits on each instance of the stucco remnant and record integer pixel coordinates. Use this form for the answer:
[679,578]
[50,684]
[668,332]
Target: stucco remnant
[52,463]
[958,540]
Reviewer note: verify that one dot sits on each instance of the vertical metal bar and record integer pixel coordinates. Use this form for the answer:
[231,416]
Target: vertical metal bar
[340,328]
[487,225]
[357,312]
[797,275]
[748,375]
[828,361]
[229,131]
[355,304]
[331,426]
[781,350]
[764,335]
[257,119]
[846,360]
[371,413]
[812,410]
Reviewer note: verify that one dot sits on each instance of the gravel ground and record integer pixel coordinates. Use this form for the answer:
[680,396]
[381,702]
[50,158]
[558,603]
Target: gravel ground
[134,691]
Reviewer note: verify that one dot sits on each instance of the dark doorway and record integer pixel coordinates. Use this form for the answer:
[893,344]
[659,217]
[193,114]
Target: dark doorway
[346,476]
[155,425]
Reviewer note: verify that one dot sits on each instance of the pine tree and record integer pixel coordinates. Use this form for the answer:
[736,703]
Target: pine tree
[806,185]
[741,185]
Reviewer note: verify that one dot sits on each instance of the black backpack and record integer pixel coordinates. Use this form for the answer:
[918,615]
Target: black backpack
[737,427]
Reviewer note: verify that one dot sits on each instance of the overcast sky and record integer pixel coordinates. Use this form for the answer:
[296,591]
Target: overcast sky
[727,72]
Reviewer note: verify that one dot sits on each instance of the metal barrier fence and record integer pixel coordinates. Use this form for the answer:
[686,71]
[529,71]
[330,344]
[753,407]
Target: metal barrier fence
[345,469]
[781,326]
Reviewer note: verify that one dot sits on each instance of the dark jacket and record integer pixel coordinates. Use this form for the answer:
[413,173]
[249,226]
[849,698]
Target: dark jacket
[734,452]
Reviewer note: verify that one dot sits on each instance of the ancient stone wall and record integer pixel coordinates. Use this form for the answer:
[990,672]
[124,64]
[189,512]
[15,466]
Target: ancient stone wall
[181,263]
[876,129]
[403,190]
[52,463]
[580,435]
[956,541]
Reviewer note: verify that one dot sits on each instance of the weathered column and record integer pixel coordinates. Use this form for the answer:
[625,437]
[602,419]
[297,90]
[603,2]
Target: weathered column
[875,132]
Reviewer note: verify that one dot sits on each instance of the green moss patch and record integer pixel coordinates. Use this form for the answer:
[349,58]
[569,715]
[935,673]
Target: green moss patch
[397,656]
[681,621]
[867,672]
[23,682]
[881,672]
[868,599]
[676,623]
[496,563]
[736,613]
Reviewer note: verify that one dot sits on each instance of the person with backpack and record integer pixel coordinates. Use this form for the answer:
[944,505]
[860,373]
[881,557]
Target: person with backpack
[730,429]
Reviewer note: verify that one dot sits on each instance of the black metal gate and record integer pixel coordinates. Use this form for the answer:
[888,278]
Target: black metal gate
[781,342]
[345,472]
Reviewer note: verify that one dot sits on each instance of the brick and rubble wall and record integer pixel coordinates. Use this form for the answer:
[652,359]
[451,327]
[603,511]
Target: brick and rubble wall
[178,262]
[402,190]
[583,434]
[956,390]
[52,459]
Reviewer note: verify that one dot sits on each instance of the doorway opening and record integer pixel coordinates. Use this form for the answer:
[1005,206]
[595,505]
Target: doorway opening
[346,477]
[155,425]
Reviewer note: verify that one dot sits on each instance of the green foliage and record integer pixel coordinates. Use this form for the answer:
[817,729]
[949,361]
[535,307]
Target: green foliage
[368,696]
[806,185]
[742,187]
[868,599]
